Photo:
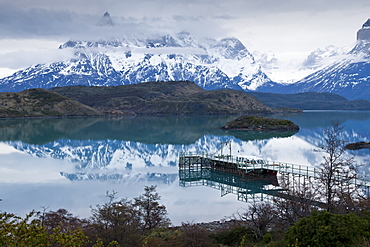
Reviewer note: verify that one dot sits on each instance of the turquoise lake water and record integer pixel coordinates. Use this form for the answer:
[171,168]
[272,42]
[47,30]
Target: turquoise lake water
[72,163]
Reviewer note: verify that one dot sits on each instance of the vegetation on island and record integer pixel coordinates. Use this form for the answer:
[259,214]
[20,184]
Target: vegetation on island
[259,123]
[357,145]
[342,218]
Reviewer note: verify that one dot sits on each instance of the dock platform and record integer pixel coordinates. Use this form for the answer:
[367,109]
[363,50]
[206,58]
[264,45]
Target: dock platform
[256,167]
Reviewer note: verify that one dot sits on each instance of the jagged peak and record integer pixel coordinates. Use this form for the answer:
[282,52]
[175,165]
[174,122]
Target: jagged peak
[232,42]
[364,33]
[232,48]
[106,20]
[366,24]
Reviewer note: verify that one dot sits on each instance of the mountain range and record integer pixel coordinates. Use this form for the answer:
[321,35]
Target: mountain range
[212,64]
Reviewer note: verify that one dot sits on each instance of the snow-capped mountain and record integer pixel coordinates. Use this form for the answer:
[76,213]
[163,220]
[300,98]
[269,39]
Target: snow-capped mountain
[322,57]
[287,70]
[348,77]
[212,64]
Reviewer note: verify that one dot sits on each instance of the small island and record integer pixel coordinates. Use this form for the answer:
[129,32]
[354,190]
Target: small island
[357,145]
[259,123]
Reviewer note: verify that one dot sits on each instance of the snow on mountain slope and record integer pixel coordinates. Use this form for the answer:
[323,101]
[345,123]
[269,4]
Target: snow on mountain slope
[289,69]
[323,57]
[348,76]
[212,64]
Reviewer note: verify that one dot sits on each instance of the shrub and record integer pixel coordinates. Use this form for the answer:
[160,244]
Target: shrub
[327,229]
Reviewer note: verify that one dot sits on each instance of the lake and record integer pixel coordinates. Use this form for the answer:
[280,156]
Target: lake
[71,163]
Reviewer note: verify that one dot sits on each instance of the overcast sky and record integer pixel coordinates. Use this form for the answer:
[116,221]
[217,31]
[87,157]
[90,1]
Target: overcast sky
[32,30]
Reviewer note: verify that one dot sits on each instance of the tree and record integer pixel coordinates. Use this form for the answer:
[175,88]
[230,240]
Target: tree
[116,221]
[259,217]
[151,213]
[62,219]
[336,172]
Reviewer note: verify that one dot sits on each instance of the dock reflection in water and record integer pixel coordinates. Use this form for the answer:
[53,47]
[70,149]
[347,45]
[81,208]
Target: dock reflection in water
[247,187]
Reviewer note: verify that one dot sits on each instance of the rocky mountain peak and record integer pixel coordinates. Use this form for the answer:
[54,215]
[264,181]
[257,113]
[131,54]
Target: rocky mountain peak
[232,48]
[364,32]
[106,20]
[232,44]
[366,24]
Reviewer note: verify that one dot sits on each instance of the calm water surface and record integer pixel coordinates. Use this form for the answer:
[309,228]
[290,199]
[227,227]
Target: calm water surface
[72,163]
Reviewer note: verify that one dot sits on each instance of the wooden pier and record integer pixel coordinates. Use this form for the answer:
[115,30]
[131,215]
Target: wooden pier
[242,166]
[197,168]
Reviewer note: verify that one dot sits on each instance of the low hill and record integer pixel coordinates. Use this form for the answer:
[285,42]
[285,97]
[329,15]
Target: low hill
[41,103]
[157,98]
[311,101]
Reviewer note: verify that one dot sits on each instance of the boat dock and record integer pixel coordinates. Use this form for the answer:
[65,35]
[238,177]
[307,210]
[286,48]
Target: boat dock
[243,166]
[201,167]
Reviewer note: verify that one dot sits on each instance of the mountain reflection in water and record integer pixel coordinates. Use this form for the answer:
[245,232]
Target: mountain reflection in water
[72,162]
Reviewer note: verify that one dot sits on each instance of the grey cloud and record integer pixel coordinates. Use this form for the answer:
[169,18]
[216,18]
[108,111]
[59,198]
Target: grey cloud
[225,17]
[28,23]
[70,18]
[37,22]
[187,18]
[23,58]
[284,21]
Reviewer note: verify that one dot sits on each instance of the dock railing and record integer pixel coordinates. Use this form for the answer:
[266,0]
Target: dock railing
[249,164]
